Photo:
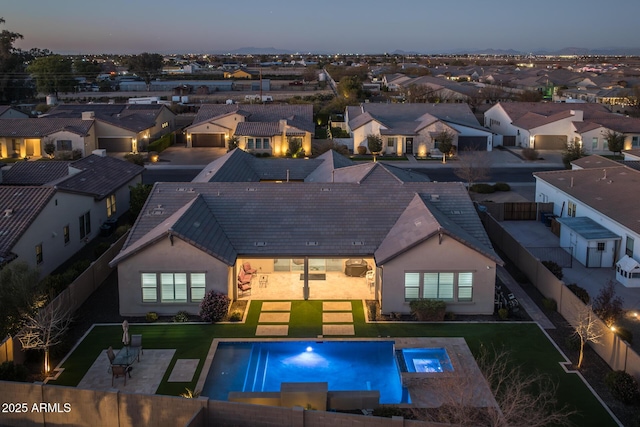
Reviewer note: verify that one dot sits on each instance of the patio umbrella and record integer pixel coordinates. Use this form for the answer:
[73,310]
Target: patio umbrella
[125,334]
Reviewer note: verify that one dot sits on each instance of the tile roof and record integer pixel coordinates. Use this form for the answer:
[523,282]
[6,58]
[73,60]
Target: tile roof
[515,110]
[19,207]
[280,219]
[595,161]
[43,126]
[608,190]
[35,173]
[258,129]
[99,176]
[299,116]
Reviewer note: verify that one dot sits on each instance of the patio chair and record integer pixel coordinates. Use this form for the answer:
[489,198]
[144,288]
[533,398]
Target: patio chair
[247,268]
[111,355]
[244,287]
[371,281]
[136,341]
[120,371]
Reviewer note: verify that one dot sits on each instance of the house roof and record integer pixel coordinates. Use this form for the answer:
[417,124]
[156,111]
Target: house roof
[99,176]
[516,110]
[43,126]
[35,173]
[410,118]
[299,116]
[19,207]
[588,228]
[295,219]
[595,161]
[608,190]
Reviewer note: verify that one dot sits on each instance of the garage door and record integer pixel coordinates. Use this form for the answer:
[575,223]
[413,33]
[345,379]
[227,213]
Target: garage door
[472,143]
[207,140]
[115,145]
[550,142]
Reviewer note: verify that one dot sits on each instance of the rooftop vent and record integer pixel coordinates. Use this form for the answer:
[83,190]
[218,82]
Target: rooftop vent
[435,197]
[312,243]
[252,189]
[8,213]
[358,243]
[260,243]
[325,189]
[456,212]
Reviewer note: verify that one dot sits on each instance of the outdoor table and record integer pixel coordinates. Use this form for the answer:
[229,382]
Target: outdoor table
[126,356]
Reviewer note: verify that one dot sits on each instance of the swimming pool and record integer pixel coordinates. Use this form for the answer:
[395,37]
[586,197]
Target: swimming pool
[344,365]
[425,360]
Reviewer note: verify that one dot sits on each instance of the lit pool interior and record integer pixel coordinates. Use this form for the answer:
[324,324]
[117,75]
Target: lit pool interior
[425,360]
[344,365]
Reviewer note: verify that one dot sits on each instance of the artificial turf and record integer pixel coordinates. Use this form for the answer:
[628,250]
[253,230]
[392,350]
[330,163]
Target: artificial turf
[527,345]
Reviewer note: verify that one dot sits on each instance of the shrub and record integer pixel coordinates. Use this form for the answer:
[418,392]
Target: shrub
[151,317]
[428,309]
[482,188]
[161,144]
[624,334]
[101,248]
[580,293]
[550,304]
[235,316]
[362,150]
[449,316]
[529,154]
[137,159]
[10,371]
[503,313]
[501,186]
[121,230]
[214,306]
[554,268]
[181,317]
[623,386]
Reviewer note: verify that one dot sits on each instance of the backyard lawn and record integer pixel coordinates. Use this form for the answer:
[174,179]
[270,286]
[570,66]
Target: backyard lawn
[526,343]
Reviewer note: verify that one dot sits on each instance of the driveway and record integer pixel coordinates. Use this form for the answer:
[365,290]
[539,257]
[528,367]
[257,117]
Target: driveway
[535,234]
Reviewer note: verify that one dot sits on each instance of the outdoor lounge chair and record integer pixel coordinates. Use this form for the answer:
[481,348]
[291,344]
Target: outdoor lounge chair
[120,371]
[244,287]
[136,341]
[247,268]
[111,355]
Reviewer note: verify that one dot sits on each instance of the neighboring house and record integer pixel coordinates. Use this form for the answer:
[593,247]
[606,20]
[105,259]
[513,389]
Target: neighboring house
[542,126]
[260,128]
[596,209]
[418,239]
[50,210]
[414,128]
[122,127]
[26,138]
[7,112]
[240,73]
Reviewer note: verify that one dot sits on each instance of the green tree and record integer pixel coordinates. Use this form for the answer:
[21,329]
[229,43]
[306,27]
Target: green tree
[18,294]
[350,88]
[53,74]
[374,143]
[146,66]
[615,141]
[87,69]
[13,84]
[444,141]
[138,197]
[572,152]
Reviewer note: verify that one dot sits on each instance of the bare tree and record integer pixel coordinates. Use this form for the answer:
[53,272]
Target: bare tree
[520,399]
[607,305]
[45,329]
[586,328]
[473,166]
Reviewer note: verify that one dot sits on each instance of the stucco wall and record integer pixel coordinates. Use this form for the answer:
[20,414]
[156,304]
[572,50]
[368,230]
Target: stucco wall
[160,257]
[85,144]
[449,256]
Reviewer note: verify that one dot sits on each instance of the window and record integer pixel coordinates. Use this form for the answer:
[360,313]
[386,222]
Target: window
[465,286]
[629,247]
[258,143]
[571,210]
[66,234]
[635,141]
[446,286]
[391,142]
[250,143]
[85,225]
[64,145]
[111,205]
[149,287]
[594,143]
[601,246]
[198,286]
[605,144]
[39,258]
[265,144]
[173,287]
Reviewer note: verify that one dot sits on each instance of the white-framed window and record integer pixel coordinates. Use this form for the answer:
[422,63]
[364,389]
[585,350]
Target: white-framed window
[391,142]
[628,250]
[171,287]
[571,209]
[111,205]
[635,141]
[85,224]
[66,233]
[601,246]
[445,286]
[594,143]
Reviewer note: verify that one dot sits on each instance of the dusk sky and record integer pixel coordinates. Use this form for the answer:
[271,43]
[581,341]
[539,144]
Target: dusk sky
[344,26]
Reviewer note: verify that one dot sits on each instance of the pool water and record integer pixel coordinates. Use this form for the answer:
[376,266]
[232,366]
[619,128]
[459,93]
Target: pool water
[263,366]
[426,360]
